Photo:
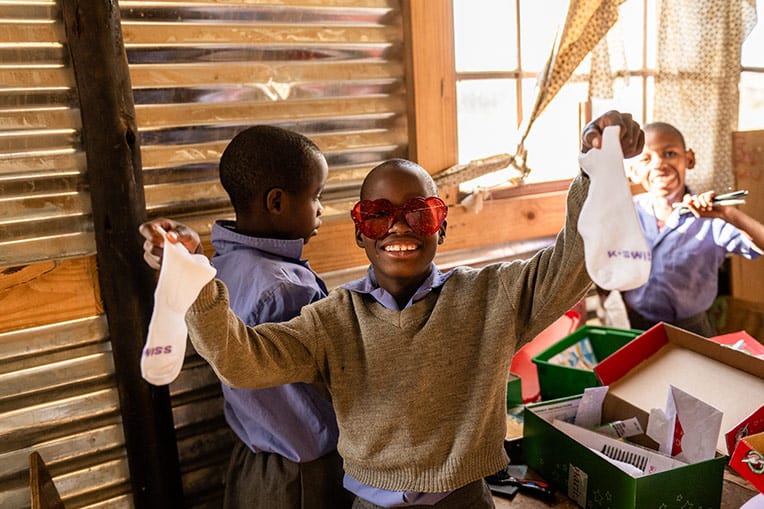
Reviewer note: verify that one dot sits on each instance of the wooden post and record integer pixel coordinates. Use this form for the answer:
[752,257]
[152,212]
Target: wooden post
[431,82]
[114,172]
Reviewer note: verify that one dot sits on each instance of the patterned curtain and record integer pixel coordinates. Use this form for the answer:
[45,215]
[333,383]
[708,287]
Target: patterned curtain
[586,24]
[696,82]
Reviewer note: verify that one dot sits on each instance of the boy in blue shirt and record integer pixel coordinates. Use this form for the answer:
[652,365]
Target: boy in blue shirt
[419,380]
[687,247]
[286,456]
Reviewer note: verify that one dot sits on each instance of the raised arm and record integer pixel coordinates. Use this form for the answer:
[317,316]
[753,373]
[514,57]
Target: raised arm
[240,356]
[702,205]
[557,276]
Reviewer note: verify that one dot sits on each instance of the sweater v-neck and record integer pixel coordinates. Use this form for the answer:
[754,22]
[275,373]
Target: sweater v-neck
[408,317]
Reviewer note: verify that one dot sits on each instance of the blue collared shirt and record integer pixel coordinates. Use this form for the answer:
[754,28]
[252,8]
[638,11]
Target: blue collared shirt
[268,282]
[686,256]
[380,497]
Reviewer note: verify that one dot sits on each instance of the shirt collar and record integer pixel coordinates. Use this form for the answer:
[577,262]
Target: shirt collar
[223,232]
[647,201]
[368,285]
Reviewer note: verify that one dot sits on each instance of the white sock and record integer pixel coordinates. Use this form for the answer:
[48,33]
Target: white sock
[616,252]
[181,278]
[616,315]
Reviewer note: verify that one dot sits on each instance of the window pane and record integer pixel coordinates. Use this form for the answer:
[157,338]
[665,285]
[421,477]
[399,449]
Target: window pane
[553,142]
[485,35]
[650,102]
[631,25]
[752,55]
[751,109]
[652,34]
[487,118]
[540,22]
[627,98]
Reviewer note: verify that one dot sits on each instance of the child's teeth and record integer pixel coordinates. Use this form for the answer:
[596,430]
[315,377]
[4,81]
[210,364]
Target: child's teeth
[399,247]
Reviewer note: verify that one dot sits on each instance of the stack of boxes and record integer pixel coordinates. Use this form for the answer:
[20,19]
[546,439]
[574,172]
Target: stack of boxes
[640,369]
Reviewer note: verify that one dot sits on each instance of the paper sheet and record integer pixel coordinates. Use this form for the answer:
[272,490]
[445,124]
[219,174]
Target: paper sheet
[688,429]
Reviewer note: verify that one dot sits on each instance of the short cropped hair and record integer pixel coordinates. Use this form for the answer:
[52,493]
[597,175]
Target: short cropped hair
[666,128]
[261,158]
[432,187]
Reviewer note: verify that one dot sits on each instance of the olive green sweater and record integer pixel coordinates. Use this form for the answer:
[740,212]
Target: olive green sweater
[420,394]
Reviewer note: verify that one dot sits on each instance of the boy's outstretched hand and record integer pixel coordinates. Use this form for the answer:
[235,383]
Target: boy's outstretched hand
[153,246]
[632,136]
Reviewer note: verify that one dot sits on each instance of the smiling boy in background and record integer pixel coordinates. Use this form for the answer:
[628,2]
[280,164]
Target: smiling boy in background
[688,247]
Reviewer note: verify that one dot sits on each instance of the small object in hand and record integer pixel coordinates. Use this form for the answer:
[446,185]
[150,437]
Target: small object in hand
[731,196]
[727,199]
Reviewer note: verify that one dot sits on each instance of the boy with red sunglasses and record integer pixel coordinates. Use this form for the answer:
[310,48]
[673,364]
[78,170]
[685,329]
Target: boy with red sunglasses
[418,380]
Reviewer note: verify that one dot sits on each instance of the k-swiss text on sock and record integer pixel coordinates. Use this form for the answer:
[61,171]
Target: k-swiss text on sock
[630,255]
[157,350]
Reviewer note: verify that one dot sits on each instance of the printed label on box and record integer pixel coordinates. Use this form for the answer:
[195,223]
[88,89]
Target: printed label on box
[563,411]
[577,485]
[644,460]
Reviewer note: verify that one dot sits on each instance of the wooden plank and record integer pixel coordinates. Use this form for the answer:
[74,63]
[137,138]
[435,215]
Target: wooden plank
[747,276]
[171,115]
[43,492]
[56,291]
[428,26]
[244,33]
[115,177]
[147,75]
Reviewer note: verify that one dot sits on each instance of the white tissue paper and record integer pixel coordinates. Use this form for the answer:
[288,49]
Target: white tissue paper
[688,429]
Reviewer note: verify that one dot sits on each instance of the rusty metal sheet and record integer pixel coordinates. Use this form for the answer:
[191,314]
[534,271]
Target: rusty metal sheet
[57,398]
[201,72]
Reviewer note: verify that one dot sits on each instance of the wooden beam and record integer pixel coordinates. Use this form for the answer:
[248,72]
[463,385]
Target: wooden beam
[57,290]
[42,489]
[110,138]
[431,82]
[748,160]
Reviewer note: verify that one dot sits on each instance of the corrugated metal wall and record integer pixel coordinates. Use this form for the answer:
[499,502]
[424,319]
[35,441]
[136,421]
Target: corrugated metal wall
[201,71]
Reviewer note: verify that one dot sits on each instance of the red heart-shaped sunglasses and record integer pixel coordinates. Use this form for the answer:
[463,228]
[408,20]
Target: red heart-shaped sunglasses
[425,216]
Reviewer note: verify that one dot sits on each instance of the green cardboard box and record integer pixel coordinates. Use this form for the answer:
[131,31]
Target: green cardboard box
[638,378]
[514,391]
[557,381]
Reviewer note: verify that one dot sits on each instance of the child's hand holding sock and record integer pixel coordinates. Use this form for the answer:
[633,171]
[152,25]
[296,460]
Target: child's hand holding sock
[181,278]
[616,252]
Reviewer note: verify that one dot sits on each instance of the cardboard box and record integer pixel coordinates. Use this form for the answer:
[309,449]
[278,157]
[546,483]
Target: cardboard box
[748,459]
[666,355]
[745,442]
[751,425]
[557,381]
[638,376]
[741,340]
[514,391]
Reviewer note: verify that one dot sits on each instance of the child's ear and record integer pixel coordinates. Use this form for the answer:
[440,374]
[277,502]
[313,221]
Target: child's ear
[632,172]
[690,154]
[442,233]
[274,201]
[358,239]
